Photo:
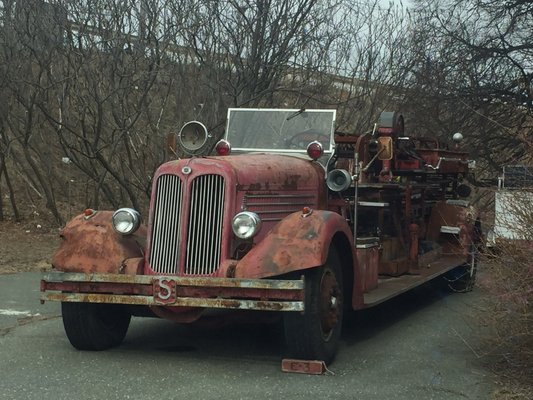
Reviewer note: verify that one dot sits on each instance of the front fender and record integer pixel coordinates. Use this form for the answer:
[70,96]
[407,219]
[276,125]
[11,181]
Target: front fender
[91,245]
[295,243]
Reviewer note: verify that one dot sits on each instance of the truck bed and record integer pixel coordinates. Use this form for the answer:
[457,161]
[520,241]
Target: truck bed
[388,287]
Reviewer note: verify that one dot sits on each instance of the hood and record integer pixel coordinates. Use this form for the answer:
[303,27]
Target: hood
[254,172]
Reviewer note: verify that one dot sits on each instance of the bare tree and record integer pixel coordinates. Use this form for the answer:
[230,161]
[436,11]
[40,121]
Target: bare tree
[302,53]
[26,37]
[474,73]
[102,83]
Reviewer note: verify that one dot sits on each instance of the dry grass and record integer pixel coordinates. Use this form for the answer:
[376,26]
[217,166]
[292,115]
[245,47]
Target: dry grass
[507,274]
[509,313]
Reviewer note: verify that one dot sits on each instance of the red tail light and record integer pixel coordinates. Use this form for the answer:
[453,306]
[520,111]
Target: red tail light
[315,150]
[223,148]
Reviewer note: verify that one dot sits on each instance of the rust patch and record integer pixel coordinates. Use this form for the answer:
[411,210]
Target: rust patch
[294,244]
[282,258]
[291,183]
[132,266]
[92,245]
[311,234]
[230,273]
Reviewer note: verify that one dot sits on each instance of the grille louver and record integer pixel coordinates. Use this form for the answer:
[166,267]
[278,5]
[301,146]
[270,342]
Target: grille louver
[205,225]
[165,252]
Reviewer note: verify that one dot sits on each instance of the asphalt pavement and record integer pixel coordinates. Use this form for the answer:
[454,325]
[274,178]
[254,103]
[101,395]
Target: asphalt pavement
[417,346]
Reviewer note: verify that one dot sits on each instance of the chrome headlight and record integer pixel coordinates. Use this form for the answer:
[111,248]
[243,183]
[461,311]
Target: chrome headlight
[246,224]
[126,220]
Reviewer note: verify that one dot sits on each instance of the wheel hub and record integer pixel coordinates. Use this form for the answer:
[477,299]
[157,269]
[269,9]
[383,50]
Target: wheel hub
[330,303]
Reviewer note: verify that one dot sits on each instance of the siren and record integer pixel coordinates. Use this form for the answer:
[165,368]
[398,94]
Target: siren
[338,180]
[192,137]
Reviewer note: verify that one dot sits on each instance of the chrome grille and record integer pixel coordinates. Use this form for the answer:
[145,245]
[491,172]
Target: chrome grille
[204,234]
[165,251]
[204,231]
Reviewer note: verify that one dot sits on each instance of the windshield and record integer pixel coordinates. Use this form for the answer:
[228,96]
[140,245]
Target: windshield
[287,130]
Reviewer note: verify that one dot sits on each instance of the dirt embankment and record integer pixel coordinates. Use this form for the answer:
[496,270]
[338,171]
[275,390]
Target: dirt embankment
[26,246]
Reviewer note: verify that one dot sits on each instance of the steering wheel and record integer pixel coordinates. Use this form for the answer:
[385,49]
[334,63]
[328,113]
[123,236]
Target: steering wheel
[302,139]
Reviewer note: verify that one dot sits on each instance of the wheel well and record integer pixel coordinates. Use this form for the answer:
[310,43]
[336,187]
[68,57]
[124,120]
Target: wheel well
[342,245]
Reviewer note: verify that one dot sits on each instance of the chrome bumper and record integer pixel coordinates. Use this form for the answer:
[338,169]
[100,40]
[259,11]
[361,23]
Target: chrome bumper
[173,291]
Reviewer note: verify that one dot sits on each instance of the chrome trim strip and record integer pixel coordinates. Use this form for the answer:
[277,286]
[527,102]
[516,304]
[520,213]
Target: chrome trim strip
[233,304]
[278,284]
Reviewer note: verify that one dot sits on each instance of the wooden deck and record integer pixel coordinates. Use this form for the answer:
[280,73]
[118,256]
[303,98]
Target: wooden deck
[388,287]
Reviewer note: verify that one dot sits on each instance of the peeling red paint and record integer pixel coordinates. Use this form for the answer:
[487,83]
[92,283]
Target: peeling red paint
[294,244]
[258,171]
[92,245]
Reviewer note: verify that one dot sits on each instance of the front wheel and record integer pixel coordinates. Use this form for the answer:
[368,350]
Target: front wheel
[94,326]
[315,334]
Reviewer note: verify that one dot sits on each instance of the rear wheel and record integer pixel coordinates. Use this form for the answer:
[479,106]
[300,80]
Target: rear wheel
[94,326]
[463,278]
[315,334]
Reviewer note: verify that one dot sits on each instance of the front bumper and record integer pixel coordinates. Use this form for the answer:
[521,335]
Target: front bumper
[173,291]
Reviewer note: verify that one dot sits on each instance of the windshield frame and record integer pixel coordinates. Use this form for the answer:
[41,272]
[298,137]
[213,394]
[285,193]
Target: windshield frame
[292,113]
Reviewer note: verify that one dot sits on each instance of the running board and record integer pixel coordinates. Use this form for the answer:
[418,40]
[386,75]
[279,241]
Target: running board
[393,286]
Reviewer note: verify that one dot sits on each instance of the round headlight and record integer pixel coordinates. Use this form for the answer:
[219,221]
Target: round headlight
[246,224]
[126,220]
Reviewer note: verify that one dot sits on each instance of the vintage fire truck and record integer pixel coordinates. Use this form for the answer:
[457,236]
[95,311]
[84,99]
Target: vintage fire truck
[289,216]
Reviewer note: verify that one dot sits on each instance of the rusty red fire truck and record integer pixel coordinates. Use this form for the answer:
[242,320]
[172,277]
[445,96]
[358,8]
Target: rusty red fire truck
[289,216]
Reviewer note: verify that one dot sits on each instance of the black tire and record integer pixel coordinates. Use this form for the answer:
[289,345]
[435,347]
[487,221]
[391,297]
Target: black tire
[463,278]
[94,326]
[315,334]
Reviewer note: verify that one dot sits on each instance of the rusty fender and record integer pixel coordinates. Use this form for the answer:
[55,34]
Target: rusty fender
[298,242]
[90,245]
